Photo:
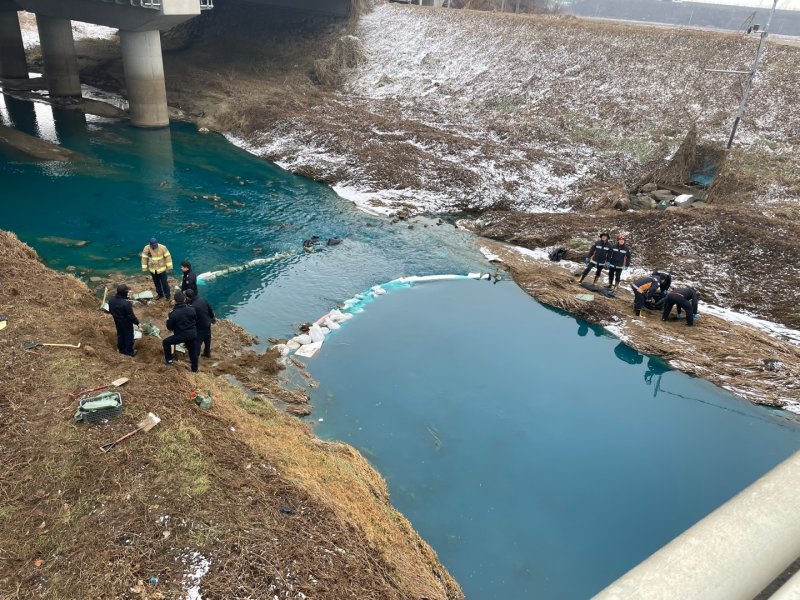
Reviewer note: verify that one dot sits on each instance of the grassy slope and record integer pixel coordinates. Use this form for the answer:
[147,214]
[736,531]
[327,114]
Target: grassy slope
[76,523]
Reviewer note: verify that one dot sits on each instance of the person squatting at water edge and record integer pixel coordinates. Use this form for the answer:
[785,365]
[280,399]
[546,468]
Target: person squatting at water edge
[182,322]
[645,288]
[124,318]
[205,317]
[157,259]
[619,258]
[598,257]
[189,278]
[685,298]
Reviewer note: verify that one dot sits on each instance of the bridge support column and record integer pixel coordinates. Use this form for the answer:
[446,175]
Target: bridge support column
[144,78]
[12,51]
[58,52]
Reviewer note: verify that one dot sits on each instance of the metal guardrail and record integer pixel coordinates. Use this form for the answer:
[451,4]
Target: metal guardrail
[156,4]
[735,552]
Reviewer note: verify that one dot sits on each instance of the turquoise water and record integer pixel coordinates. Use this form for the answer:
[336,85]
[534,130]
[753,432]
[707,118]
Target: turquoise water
[136,184]
[537,462]
[540,457]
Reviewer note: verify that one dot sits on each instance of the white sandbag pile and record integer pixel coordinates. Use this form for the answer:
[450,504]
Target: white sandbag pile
[308,344]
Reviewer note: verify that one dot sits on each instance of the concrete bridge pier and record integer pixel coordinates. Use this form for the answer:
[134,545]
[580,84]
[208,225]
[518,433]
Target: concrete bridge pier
[12,51]
[144,78]
[58,52]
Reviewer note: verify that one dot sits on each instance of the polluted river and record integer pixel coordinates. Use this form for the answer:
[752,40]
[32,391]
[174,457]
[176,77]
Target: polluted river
[537,454]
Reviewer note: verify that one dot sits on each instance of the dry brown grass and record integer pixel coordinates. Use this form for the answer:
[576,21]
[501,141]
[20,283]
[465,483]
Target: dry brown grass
[736,258]
[347,54]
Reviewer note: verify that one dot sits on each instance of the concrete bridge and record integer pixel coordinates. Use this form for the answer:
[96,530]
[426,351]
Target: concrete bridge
[139,23]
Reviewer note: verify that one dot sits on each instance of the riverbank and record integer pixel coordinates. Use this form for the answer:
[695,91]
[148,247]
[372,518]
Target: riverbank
[747,361]
[240,499]
[438,110]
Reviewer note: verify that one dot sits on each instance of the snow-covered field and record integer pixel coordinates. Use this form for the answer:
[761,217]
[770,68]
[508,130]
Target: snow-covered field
[482,109]
[30,34]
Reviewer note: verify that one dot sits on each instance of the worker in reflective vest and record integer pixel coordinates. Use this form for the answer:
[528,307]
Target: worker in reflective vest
[157,259]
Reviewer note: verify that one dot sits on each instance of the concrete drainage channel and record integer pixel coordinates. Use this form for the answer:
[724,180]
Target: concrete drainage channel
[738,551]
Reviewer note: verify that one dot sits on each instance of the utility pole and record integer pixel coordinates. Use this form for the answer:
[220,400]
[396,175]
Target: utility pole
[751,77]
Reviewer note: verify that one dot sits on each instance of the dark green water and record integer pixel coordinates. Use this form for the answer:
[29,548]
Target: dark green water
[538,460]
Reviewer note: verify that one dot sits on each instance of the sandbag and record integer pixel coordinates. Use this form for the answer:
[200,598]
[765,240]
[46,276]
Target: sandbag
[317,336]
[309,350]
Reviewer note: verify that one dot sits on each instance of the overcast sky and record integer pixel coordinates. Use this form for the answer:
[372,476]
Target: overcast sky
[765,4]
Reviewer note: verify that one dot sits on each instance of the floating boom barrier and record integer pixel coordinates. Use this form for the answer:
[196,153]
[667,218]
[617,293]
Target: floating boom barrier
[308,344]
[204,278]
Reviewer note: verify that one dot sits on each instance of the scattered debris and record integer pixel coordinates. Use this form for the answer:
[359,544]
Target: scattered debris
[100,407]
[144,426]
[116,383]
[32,345]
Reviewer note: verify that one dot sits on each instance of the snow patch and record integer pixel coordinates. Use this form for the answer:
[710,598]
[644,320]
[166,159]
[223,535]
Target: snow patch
[197,566]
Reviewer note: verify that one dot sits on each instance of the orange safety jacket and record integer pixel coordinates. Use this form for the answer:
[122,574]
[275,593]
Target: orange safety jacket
[156,260]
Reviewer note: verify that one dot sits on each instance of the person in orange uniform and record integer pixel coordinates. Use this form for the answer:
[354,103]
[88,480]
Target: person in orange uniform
[157,260]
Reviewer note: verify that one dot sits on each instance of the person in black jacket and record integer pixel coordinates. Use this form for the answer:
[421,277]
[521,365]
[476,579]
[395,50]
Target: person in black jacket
[182,322]
[124,318]
[598,257]
[189,278]
[205,317]
[618,259]
[665,280]
[643,288]
[685,298]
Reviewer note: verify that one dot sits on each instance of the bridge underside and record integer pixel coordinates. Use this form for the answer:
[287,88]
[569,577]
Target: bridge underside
[138,23]
[336,8]
[111,14]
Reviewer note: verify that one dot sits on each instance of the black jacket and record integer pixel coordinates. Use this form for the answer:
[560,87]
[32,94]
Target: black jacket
[648,286]
[121,309]
[620,256]
[182,322]
[204,312]
[686,292]
[600,251]
[666,280]
[189,282]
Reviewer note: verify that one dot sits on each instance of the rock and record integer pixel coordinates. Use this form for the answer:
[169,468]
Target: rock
[70,269]
[642,202]
[621,203]
[95,279]
[660,195]
[699,204]
[649,187]
[684,200]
